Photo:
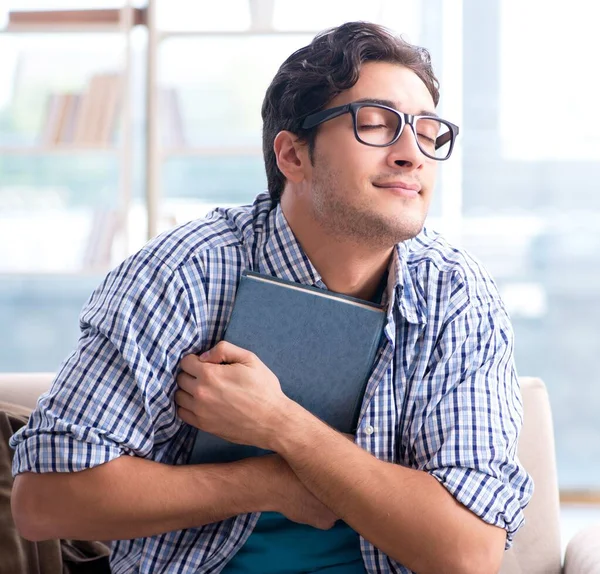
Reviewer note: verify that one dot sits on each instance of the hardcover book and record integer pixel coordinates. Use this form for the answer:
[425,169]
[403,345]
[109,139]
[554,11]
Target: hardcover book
[321,346]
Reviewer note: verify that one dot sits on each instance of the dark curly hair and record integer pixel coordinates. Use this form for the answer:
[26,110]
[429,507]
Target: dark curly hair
[312,76]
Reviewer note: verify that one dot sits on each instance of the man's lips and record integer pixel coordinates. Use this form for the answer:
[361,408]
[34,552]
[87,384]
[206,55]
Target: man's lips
[399,185]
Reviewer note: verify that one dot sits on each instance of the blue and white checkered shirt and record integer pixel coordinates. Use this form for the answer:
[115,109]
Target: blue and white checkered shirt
[443,396]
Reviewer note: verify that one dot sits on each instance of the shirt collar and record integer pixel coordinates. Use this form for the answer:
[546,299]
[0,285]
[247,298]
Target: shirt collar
[401,286]
[282,256]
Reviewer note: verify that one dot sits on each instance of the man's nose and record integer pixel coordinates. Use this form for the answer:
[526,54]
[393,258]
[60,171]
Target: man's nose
[405,152]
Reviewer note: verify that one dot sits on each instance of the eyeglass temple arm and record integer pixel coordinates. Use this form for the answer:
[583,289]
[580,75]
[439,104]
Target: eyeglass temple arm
[315,119]
[444,139]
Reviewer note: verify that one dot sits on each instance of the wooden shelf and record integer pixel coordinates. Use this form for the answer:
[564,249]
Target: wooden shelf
[74,21]
[588,497]
[17,29]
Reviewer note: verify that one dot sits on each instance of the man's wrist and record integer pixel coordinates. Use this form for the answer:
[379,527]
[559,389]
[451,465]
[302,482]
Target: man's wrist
[261,481]
[292,428]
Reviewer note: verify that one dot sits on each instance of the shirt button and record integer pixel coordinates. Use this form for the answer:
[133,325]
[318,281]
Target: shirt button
[369,430]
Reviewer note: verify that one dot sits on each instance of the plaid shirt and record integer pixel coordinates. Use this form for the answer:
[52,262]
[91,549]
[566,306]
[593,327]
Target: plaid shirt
[443,396]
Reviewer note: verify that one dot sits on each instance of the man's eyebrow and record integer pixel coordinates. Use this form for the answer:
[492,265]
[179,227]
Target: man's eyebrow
[394,105]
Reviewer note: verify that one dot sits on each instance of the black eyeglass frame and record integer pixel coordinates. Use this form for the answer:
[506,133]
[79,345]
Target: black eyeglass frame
[313,120]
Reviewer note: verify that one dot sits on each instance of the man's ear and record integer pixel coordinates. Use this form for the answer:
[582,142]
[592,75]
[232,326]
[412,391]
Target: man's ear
[291,155]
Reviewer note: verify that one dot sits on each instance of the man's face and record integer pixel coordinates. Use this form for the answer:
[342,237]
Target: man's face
[356,190]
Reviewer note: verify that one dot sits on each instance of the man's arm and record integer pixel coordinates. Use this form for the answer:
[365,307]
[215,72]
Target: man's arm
[83,461]
[130,497]
[405,513]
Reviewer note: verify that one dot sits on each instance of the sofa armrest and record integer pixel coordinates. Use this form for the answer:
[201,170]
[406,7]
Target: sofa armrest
[24,389]
[583,552]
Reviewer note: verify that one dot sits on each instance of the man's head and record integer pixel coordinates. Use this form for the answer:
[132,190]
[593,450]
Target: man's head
[353,188]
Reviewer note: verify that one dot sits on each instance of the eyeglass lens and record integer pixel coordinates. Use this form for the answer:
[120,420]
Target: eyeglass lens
[378,126]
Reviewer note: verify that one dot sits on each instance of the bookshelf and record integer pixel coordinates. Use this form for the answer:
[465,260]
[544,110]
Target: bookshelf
[165,138]
[87,124]
[57,28]
[167,119]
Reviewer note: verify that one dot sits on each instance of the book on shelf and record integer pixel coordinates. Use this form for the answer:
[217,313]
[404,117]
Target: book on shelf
[87,118]
[112,95]
[99,111]
[321,345]
[104,16]
[69,118]
[55,104]
[88,112]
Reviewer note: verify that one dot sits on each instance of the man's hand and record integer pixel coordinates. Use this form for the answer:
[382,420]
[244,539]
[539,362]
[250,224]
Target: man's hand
[293,500]
[229,392]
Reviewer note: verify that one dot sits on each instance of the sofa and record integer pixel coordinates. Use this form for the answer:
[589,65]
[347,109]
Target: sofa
[537,546]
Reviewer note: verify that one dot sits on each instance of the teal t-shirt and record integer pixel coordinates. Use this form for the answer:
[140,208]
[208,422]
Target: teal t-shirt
[280,546]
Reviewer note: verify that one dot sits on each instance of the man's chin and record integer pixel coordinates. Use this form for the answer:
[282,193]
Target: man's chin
[405,228]
[386,233]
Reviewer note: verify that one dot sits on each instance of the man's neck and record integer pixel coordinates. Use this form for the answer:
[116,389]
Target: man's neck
[345,266]
[347,273]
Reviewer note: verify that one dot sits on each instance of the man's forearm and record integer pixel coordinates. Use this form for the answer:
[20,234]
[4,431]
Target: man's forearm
[405,513]
[132,497]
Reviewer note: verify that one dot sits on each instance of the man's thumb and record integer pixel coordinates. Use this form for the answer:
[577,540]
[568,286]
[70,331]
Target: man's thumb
[225,352]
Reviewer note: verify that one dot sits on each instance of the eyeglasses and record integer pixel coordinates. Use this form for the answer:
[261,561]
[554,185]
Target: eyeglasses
[381,126]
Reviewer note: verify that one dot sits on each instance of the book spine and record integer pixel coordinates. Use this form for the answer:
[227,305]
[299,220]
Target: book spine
[113,89]
[61,120]
[50,120]
[68,125]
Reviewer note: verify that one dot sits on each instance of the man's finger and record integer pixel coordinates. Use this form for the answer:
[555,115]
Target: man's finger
[191,364]
[225,352]
[184,400]
[187,382]
[187,416]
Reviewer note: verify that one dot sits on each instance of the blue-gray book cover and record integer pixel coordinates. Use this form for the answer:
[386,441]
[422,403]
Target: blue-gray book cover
[321,346]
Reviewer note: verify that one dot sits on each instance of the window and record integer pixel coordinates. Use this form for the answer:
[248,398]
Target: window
[531,200]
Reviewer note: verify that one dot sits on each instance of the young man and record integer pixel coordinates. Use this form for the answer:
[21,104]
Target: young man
[430,482]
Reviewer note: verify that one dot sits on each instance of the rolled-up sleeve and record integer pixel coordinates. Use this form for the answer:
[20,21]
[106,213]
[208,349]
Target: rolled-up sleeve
[114,394]
[468,439]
